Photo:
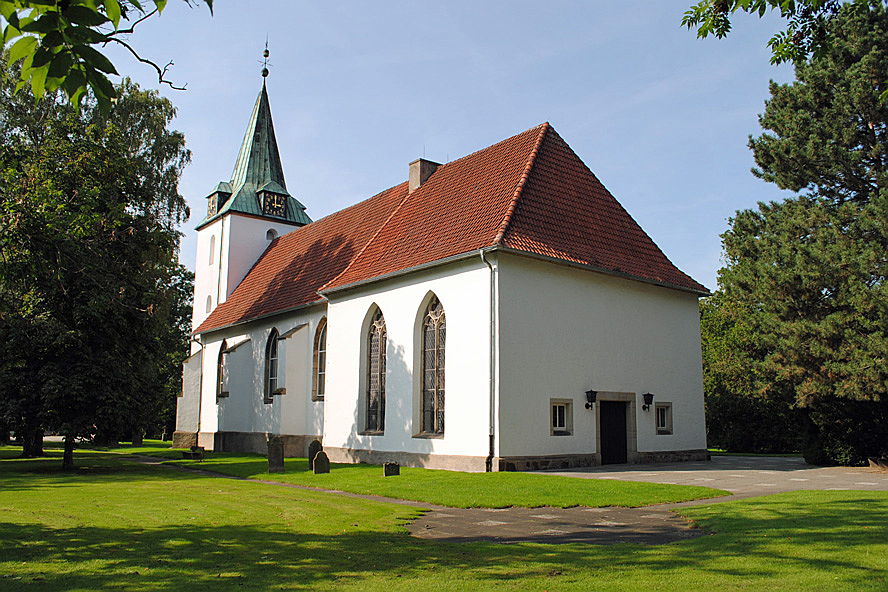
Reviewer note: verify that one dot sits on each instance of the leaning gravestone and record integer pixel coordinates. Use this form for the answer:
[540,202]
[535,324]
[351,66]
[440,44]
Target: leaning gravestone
[313,450]
[391,468]
[321,463]
[275,454]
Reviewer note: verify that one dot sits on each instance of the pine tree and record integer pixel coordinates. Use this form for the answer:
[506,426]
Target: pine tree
[811,270]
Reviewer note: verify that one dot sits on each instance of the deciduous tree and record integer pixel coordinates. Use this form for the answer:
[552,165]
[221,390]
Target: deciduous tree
[89,283]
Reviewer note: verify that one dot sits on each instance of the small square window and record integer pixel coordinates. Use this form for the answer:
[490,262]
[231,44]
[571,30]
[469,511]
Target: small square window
[561,417]
[663,413]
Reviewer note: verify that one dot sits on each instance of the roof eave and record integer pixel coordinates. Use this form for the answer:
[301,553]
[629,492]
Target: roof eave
[260,317]
[603,270]
[510,250]
[405,271]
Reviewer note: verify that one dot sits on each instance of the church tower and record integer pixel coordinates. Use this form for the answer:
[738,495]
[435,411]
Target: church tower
[243,214]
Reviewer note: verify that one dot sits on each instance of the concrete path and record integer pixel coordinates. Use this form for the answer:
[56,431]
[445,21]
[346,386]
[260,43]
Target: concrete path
[595,526]
[744,476]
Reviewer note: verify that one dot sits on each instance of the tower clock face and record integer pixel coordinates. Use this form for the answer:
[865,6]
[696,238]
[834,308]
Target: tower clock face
[274,205]
[213,205]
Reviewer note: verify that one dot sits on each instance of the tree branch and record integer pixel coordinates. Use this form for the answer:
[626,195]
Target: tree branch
[161,72]
[133,26]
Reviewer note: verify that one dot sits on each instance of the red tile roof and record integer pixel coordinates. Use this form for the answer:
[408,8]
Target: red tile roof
[295,265]
[528,193]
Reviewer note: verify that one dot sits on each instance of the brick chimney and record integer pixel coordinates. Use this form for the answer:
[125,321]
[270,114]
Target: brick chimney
[420,170]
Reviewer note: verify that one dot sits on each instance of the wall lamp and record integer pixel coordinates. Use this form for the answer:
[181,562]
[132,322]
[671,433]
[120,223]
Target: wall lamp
[591,397]
[648,401]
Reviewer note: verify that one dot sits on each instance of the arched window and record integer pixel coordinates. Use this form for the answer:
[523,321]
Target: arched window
[212,249]
[209,304]
[271,234]
[433,336]
[319,376]
[220,373]
[271,366]
[376,374]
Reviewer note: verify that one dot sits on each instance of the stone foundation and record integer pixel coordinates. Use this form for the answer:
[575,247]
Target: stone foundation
[297,446]
[543,463]
[256,442]
[450,462]
[573,461]
[184,439]
[672,456]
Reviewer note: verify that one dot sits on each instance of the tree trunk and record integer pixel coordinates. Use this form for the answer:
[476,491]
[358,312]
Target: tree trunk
[32,443]
[68,458]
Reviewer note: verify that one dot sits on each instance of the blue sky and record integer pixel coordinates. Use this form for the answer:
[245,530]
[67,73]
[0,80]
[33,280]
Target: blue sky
[359,89]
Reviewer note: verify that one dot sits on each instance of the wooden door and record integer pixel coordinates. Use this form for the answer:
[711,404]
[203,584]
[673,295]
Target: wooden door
[612,429]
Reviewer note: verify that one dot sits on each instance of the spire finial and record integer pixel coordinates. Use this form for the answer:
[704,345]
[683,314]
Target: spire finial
[265,55]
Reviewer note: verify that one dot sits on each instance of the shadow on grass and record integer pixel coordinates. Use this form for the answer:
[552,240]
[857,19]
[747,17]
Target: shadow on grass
[18,474]
[262,557]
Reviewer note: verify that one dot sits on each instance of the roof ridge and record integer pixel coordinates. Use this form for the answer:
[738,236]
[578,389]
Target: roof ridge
[503,141]
[370,240]
[504,225]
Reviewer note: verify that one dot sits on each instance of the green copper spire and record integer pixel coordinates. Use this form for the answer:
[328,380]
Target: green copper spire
[258,173]
[259,161]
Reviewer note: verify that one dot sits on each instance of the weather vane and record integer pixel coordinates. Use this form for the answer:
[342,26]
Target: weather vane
[265,55]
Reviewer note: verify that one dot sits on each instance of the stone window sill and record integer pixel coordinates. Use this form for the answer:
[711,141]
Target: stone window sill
[561,433]
[664,432]
[429,436]
[371,433]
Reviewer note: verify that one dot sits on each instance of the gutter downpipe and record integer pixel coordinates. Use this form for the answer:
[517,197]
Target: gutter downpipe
[488,464]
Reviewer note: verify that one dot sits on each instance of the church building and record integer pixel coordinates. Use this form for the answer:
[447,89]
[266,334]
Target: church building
[501,311]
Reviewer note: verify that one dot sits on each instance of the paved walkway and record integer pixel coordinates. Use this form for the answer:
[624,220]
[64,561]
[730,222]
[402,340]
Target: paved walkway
[744,476]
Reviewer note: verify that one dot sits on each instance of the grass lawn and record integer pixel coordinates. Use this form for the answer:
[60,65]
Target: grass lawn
[460,490]
[114,524]
[446,488]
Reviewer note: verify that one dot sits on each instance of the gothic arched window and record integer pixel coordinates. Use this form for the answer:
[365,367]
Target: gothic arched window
[376,374]
[220,373]
[271,365]
[212,249]
[319,375]
[433,336]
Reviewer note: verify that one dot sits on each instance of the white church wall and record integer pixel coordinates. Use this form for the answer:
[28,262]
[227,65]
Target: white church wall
[250,236]
[206,276]
[463,289]
[564,331]
[244,410]
[217,280]
[187,406]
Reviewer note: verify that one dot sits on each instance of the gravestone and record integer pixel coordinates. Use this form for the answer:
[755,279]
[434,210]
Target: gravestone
[275,454]
[321,463]
[313,450]
[391,468]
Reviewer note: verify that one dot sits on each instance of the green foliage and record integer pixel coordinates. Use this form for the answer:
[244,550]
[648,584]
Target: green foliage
[809,272]
[91,295]
[806,30]
[739,416]
[56,42]
[121,525]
